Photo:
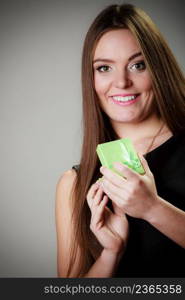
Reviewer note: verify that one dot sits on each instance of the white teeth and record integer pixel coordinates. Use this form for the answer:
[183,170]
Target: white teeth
[127,98]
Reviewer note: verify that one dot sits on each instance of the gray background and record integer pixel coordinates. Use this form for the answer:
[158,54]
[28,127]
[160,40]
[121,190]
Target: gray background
[40,116]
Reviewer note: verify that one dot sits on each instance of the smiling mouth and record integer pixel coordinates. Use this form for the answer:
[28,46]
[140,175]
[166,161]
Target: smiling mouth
[124,98]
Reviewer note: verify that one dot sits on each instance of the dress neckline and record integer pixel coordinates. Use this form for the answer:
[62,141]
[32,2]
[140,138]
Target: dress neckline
[164,144]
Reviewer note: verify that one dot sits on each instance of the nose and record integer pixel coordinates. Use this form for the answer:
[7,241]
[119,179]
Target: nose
[122,80]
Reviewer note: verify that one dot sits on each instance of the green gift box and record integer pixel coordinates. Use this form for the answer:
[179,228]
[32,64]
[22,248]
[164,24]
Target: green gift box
[121,151]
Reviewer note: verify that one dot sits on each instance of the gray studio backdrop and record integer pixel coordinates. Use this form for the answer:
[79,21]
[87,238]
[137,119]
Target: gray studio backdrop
[40,115]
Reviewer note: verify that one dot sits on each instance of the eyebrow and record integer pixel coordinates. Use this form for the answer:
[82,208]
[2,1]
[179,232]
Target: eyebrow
[112,61]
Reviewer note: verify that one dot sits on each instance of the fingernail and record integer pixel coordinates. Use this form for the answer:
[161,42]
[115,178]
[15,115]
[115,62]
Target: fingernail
[102,168]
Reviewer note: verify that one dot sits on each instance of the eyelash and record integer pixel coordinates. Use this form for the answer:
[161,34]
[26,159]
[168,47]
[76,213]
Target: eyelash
[139,63]
[99,68]
[131,68]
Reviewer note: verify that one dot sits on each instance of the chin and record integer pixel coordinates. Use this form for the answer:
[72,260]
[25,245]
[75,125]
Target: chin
[122,120]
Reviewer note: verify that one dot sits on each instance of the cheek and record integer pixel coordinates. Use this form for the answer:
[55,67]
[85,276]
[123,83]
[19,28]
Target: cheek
[143,84]
[147,82]
[101,85]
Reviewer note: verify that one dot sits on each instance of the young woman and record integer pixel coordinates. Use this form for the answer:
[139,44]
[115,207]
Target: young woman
[131,226]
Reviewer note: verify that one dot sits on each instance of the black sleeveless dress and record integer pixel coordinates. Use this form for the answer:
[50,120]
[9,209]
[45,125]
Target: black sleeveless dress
[150,253]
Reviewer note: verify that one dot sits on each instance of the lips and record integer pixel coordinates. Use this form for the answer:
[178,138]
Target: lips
[125,99]
[124,95]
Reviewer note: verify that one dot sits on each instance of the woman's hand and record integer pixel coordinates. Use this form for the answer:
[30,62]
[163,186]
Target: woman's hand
[110,229]
[133,194]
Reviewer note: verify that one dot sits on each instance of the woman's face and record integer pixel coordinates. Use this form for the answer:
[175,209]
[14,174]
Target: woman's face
[122,82]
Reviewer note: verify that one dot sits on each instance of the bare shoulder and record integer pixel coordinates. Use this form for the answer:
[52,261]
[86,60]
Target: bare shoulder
[65,184]
[64,188]
[67,179]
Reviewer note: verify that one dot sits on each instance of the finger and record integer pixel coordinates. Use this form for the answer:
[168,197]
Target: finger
[127,172]
[96,200]
[117,210]
[91,193]
[116,194]
[107,185]
[144,164]
[97,218]
[112,177]
[98,197]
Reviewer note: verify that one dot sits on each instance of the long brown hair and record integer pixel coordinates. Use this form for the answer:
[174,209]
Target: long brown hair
[169,92]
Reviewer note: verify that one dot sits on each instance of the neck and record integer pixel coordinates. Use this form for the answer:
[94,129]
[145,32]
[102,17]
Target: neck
[145,135]
[137,131]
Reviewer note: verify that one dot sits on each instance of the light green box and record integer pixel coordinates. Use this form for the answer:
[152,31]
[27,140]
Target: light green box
[121,151]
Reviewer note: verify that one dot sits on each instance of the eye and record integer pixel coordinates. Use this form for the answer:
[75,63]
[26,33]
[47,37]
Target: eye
[139,66]
[103,69]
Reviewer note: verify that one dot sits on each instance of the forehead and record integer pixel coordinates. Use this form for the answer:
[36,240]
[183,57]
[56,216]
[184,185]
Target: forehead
[115,43]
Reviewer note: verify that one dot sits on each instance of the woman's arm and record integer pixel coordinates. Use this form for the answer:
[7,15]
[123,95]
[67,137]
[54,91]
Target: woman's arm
[169,220]
[137,196]
[63,224]
[105,265]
